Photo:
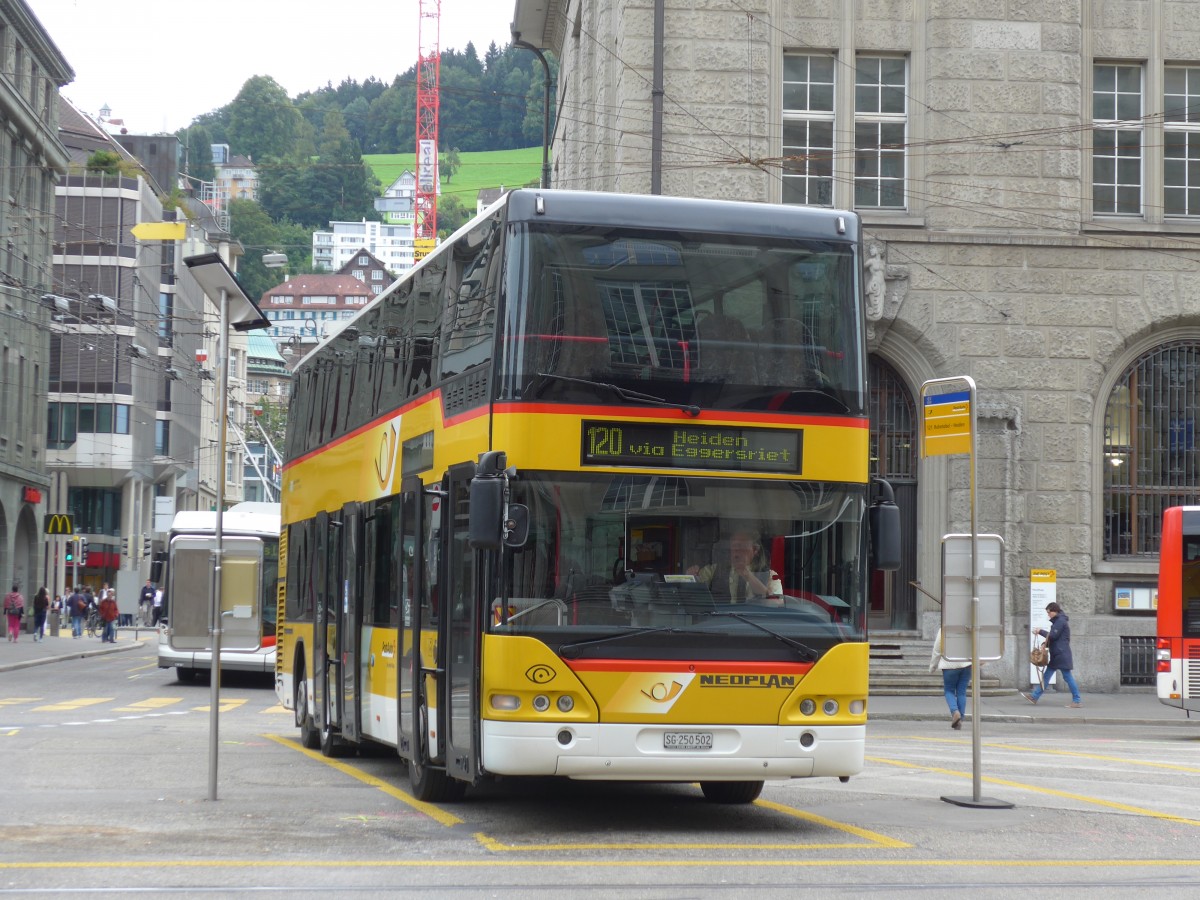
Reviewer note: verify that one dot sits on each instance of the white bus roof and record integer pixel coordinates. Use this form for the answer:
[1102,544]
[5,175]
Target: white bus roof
[243,518]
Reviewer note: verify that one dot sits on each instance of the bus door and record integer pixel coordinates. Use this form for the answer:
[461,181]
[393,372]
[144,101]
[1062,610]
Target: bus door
[323,633]
[349,623]
[460,631]
[414,606]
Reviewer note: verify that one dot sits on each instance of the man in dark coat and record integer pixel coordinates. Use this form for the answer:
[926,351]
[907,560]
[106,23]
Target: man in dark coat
[1058,641]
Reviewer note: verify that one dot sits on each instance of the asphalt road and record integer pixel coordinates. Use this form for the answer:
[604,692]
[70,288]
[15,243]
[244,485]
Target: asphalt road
[106,778]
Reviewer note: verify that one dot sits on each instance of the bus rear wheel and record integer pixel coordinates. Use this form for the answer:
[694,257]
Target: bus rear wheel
[731,791]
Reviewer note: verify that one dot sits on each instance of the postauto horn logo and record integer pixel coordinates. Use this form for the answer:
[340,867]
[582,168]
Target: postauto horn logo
[540,674]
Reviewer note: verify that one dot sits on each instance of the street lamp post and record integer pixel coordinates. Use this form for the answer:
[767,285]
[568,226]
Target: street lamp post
[239,312]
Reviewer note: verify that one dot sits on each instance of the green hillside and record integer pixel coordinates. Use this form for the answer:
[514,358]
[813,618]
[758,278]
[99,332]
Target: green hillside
[507,168]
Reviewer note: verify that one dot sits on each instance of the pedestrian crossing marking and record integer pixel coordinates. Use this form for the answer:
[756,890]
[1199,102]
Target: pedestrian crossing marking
[226,706]
[150,703]
[78,703]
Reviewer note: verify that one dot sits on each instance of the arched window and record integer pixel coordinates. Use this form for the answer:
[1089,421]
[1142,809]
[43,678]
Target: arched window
[1150,457]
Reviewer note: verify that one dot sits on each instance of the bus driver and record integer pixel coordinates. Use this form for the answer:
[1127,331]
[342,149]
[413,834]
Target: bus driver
[745,578]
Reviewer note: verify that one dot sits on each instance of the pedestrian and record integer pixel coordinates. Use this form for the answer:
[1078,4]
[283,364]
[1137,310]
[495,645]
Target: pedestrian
[956,678]
[76,609]
[1058,641]
[41,606]
[158,606]
[146,601]
[108,615]
[14,608]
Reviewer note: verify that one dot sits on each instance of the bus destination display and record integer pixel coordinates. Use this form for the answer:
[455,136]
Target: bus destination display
[685,446]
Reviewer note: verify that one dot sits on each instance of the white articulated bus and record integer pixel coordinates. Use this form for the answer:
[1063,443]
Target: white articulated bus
[250,570]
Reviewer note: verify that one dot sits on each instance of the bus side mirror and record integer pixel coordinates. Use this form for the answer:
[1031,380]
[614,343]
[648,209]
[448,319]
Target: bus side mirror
[487,509]
[883,522]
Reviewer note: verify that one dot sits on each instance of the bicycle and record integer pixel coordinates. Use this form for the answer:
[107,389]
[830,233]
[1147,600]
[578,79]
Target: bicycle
[94,624]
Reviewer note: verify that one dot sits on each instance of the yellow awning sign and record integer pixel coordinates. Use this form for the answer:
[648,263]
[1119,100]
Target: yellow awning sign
[947,423]
[160,231]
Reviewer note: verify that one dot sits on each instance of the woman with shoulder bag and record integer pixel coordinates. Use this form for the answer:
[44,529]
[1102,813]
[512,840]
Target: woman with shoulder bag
[1058,642]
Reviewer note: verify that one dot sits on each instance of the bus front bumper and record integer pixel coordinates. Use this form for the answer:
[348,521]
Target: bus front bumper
[637,752]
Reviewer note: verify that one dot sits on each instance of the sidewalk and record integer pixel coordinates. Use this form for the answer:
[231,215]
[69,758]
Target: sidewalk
[1135,706]
[28,652]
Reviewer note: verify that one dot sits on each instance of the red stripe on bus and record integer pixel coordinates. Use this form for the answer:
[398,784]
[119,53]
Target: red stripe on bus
[716,416]
[707,667]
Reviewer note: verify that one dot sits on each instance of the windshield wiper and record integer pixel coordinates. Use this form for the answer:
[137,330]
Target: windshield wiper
[571,651]
[636,396]
[808,654]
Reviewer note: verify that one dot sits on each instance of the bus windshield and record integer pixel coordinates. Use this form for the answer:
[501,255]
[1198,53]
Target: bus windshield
[716,321]
[663,565]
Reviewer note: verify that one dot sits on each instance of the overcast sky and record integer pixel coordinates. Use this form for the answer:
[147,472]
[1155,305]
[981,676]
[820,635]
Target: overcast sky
[160,63]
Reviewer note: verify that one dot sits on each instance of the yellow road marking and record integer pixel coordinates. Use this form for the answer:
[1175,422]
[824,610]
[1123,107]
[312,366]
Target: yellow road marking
[13,701]
[1076,754]
[872,836]
[493,862]
[277,708]
[79,703]
[438,815]
[226,706]
[149,703]
[1037,789]
[151,665]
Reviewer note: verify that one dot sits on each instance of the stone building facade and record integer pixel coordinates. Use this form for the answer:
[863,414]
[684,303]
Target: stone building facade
[1028,174]
[31,160]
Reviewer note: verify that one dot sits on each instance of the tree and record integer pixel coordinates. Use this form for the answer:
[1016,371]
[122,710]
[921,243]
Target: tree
[340,182]
[448,164]
[199,143]
[452,215]
[263,123]
[254,230]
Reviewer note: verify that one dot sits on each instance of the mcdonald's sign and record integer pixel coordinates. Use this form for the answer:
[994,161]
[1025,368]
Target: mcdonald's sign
[59,523]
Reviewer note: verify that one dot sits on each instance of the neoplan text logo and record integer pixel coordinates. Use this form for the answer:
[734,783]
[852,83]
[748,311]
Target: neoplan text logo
[750,681]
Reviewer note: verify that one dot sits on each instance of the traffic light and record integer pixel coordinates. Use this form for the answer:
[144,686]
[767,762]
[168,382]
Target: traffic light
[82,551]
[124,546]
[70,557]
[145,545]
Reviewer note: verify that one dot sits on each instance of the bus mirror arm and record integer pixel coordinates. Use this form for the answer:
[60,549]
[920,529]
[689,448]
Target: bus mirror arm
[883,521]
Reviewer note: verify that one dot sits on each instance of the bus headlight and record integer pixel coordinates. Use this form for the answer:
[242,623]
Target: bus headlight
[808,707]
[565,703]
[541,703]
[506,702]
[857,707]
[830,707]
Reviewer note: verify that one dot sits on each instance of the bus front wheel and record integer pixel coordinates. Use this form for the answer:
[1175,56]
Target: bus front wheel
[731,791]
[310,737]
[430,785]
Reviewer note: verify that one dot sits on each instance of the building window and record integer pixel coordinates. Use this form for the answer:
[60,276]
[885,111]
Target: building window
[1150,456]
[377,275]
[162,437]
[1117,140]
[1181,140]
[880,126]
[880,130]
[808,129]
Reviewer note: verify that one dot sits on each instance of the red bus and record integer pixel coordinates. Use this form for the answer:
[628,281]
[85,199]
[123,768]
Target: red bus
[1178,647]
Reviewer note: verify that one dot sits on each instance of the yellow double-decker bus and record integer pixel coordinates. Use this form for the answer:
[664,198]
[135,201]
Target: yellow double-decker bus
[586,494]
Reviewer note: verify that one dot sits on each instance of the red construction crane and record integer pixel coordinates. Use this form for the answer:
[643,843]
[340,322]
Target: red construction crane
[428,69]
